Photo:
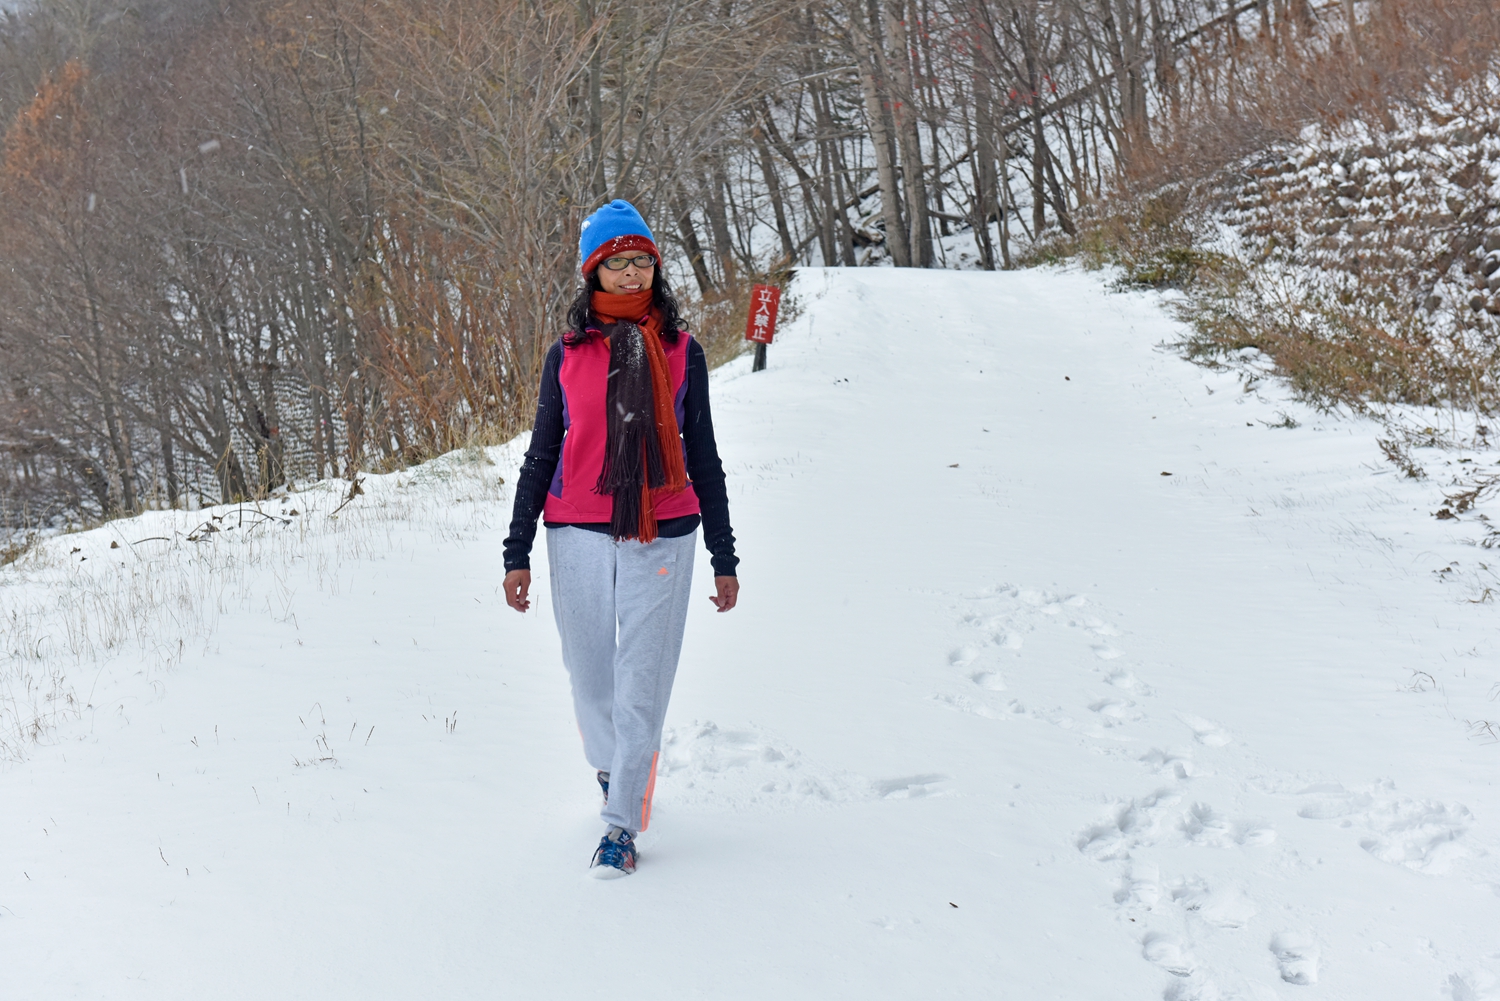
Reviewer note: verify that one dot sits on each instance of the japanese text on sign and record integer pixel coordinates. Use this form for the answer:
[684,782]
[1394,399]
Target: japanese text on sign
[761,324]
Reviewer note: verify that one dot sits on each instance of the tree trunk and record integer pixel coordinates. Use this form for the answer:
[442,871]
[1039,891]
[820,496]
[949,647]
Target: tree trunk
[846,231]
[831,207]
[169,464]
[835,171]
[689,237]
[904,91]
[773,189]
[595,106]
[877,109]
[227,468]
[1039,157]
[1121,44]
[1006,200]
[1059,198]
[91,471]
[718,223]
[268,417]
[1161,55]
[163,421]
[804,180]
[932,100]
[119,443]
[982,165]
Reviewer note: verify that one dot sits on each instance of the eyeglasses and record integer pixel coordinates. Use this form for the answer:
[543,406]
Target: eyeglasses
[621,263]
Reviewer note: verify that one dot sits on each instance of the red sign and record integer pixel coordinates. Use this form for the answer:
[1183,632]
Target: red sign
[764,301]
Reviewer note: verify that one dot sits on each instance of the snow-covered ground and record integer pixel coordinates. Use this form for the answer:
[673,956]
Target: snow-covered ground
[1005,711]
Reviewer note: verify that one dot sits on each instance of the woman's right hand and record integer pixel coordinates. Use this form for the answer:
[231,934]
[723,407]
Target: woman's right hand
[517,585]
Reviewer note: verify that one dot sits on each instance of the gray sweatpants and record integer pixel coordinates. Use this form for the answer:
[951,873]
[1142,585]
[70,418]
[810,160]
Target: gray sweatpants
[621,608]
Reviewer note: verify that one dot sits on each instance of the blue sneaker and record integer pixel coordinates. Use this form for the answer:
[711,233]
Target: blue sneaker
[615,855]
[603,778]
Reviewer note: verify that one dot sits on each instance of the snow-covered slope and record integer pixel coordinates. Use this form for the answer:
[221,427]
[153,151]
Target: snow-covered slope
[1005,711]
[1412,211]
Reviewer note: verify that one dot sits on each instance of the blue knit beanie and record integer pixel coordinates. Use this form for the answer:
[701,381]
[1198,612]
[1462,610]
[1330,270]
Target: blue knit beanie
[615,228]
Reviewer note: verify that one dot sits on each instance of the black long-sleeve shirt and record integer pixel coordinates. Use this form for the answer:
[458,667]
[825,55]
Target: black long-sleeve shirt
[703,468]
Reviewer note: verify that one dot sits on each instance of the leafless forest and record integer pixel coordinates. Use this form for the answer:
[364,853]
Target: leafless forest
[249,245]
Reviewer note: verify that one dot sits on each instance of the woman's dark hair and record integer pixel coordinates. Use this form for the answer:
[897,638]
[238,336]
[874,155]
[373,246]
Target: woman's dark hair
[580,313]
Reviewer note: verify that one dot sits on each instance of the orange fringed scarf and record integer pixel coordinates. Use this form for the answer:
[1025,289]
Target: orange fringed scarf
[638,466]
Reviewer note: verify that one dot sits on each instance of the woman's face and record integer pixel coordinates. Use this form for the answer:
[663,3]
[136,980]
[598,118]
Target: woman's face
[631,279]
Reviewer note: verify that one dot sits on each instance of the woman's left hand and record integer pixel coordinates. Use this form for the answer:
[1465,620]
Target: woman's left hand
[729,593]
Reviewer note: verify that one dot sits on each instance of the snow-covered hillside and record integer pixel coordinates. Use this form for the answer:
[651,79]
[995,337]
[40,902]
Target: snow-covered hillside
[1413,210]
[1062,669]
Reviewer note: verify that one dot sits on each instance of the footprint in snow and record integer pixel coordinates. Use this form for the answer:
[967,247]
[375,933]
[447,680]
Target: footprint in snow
[1106,652]
[1225,907]
[1150,820]
[734,769]
[1201,825]
[1331,801]
[1419,834]
[985,677]
[1130,824]
[1126,681]
[1006,612]
[1168,952]
[1206,732]
[1296,958]
[910,787]
[1032,597]
[1115,712]
[1140,886]
[964,704]
[990,680]
[963,656]
[1477,986]
[1192,989]
[1423,835]
[1170,762]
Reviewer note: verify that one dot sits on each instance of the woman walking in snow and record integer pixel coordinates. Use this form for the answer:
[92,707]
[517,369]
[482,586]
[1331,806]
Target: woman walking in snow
[622,468]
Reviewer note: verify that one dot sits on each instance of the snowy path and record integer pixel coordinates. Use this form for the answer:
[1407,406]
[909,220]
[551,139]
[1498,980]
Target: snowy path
[1004,712]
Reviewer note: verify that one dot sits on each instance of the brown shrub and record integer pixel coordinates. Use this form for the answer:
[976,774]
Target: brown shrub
[1360,290]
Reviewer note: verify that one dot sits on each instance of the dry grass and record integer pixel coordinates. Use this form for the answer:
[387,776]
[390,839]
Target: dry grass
[1333,349]
[16,548]
[1361,286]
[138,596]
[718,323]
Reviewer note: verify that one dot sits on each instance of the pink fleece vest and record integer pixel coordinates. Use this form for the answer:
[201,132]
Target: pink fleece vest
[571,498]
